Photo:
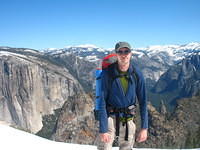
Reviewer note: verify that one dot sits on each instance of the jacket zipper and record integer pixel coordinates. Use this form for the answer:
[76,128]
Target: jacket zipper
[120,85]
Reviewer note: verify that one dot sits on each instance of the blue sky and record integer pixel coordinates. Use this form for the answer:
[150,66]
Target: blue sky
[42,24]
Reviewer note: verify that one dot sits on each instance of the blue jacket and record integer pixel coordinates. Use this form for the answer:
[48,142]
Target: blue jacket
[115,96]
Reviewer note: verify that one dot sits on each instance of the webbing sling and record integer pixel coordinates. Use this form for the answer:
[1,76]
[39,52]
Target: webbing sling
[117,125]
[124,122]
[126,134]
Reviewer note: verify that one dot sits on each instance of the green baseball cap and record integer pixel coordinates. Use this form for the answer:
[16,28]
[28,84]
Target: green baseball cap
[121,45]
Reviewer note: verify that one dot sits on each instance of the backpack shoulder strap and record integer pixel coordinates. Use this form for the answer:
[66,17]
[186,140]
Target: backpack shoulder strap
[111,75]
[135,75]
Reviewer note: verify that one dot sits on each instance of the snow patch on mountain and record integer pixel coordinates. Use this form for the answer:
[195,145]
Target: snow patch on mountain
[6,53]
[12,138]
[138,52]
[87,46]
[92,58]
[31,50]
[4,47]
[92,52]
[177,52]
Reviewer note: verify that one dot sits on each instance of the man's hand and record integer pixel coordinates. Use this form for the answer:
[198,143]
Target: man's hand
[142,136]
[105,137]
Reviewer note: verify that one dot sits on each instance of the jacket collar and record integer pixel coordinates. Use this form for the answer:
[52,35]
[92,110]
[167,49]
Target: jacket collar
[116,72]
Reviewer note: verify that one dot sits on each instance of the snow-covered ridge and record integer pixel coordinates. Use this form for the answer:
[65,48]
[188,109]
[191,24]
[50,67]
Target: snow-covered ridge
[25,57]
[87,46]
[193,45]
[93,53]
[4,47]
[177,52]
[79,48]
[6,53]
[13,139]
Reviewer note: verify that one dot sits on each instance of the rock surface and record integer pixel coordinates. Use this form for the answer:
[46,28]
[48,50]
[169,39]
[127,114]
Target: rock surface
[31,86]
[76,123]
[181,80]
[171,131]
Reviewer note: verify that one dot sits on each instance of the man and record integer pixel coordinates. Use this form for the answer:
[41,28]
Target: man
[121,84]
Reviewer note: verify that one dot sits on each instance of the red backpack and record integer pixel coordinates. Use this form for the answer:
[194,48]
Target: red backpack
[108,60]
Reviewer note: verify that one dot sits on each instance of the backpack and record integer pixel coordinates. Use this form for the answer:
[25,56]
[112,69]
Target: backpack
[107,61]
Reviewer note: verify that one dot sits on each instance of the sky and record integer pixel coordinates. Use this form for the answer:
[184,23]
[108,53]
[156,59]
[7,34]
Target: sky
[40,24]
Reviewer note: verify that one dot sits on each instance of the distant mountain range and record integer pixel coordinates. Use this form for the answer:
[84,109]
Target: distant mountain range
[154,61]
[93,53]
[47,90]
[156,58]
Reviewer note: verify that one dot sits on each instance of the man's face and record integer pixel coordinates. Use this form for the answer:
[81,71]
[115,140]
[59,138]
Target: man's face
[124,55]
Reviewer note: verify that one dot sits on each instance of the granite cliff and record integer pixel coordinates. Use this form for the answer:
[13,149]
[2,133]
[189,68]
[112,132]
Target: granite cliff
[32,85]
[179,81]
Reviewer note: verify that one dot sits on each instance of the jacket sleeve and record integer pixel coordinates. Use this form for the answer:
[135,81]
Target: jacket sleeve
[103,118]
[141,95]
